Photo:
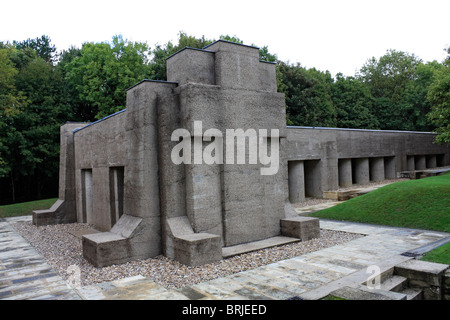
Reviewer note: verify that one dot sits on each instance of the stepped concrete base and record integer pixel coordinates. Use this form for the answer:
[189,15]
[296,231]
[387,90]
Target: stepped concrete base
[425,275]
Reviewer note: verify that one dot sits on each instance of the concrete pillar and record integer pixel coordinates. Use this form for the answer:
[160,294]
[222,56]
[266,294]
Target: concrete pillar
[410,163]
[431,161]
[313,178]
[345,172]
[360,170]
[376,169]
[389,168]
[420,162]
[296,181]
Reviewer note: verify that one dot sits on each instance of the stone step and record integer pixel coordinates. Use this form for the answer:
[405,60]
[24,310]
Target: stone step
[394,283]
[362,293]
[413,294]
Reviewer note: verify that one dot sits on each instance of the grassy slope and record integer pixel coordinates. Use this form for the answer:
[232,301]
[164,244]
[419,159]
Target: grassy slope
[439,255]
[421,204]
[25,208]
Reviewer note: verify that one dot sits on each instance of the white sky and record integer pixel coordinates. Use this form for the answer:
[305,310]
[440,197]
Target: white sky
[338,36]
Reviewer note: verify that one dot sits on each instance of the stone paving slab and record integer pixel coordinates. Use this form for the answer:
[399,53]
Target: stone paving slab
[24,274]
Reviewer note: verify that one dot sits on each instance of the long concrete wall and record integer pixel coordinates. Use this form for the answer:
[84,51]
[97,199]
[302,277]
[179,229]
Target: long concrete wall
[351,156]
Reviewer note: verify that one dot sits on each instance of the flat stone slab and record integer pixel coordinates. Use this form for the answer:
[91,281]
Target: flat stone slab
[361,293]
[257,245]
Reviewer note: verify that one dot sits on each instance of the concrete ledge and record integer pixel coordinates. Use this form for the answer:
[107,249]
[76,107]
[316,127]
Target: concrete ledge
[114,247]
[257,245]
[54,215]
[303,228]
[197,248]
[362,293]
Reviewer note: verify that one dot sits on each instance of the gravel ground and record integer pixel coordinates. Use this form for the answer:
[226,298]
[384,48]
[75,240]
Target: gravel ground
[62,249]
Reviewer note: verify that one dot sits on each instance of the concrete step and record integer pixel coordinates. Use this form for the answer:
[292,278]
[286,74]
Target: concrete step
[413,294]
[363,293]
[394,283]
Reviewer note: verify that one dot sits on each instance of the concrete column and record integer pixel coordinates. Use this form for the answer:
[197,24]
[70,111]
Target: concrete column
[360,170]
[296,181]
[431,161]
[410,163]
[313,178]
[389,168]
[345,172]
[420,162]
[376,169]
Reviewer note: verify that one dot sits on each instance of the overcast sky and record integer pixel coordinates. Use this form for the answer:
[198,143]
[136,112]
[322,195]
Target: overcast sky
[338,35]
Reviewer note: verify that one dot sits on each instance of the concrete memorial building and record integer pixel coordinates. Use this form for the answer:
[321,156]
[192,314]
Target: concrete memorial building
[202,163]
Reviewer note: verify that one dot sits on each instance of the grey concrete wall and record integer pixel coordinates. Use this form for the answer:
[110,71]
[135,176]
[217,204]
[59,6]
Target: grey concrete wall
[350,156]
[98,147]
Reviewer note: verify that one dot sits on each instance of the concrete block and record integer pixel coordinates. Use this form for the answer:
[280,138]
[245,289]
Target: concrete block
[304,228]
[197,249]
[105,248]
[425,272]
[191,65]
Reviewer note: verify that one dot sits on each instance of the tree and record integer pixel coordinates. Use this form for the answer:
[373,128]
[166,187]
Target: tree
[439,97]
[102,72]
[42,46]
[388,79]
[353,103]
[308,95]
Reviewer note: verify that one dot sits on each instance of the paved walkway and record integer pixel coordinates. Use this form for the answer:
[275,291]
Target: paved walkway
[26,275]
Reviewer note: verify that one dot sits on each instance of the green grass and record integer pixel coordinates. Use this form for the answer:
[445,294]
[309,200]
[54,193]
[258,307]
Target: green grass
[439,255]
[25,208]
[419,204]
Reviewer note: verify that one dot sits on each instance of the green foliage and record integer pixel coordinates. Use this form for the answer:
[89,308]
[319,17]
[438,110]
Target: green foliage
[439,255]
[41,89]
[308,95]
[439,97]
[388,79]
[42,46]
[354,104]
[102,72]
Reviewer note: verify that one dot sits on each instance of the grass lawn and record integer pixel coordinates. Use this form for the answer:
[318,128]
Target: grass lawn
[25,208]
[439,255]
[420,204]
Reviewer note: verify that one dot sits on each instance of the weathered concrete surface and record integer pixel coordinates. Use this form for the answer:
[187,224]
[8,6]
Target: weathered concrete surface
[304,228]
[64,209]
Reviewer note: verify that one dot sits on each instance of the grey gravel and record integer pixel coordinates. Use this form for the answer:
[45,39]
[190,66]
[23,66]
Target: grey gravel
[62,249]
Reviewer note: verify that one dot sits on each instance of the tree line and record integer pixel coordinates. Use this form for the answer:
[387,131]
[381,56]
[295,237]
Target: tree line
[41,89]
